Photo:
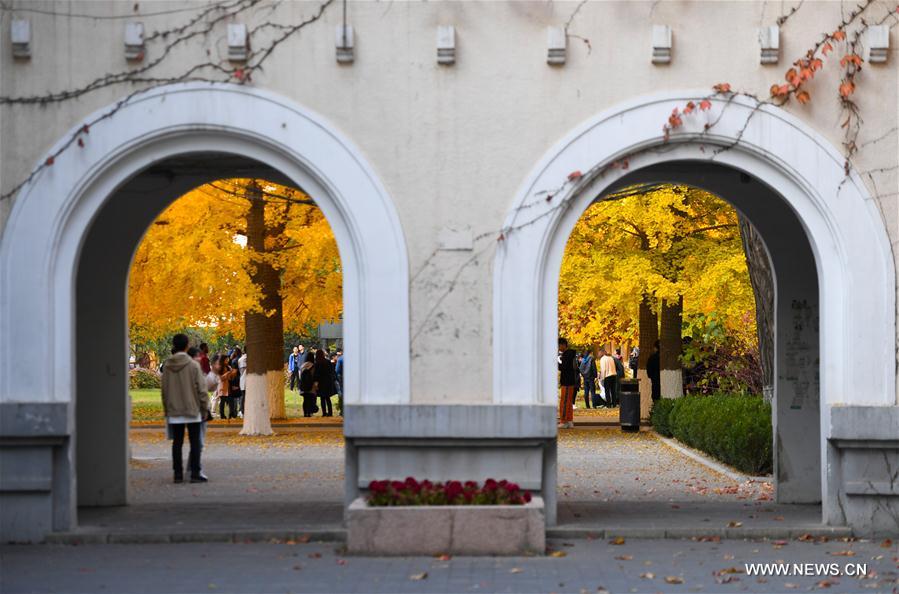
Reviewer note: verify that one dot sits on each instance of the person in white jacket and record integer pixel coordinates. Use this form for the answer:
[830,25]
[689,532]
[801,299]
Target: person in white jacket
[242,370]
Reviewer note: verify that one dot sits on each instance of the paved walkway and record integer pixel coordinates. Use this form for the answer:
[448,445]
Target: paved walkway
[610,483]
[584,566]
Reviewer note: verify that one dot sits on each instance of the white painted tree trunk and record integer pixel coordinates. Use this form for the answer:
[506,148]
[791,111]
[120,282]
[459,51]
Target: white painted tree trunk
[257,412]
[645,393]
[672,383]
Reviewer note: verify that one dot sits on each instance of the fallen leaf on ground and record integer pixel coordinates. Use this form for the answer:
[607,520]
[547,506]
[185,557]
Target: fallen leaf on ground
[341,561]
[824,584]
[728,570]
[886,544]
[734,524]
[846,553]
[624,557]
[315,555]
[516,570]
[647,575]
[417,577]
[618,540]
[444,557]
[558,554]
[673,579]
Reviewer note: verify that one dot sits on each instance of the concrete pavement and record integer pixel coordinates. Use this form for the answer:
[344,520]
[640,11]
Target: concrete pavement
[581,566]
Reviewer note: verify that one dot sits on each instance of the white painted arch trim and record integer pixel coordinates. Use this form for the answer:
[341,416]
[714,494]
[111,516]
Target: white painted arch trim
[40,246]
[844,225]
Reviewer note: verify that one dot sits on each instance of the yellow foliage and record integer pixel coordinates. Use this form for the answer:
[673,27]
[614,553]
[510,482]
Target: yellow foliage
[669,241]
[191,268]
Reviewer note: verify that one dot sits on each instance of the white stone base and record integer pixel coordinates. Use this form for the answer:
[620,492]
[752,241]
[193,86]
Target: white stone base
[450,529]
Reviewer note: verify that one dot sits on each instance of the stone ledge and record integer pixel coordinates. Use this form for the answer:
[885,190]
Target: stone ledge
[455,421]
[33,419]
[450,529]
[861,423]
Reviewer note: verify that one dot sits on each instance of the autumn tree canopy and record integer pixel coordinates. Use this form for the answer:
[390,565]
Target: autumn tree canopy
[193,267]
[667,242]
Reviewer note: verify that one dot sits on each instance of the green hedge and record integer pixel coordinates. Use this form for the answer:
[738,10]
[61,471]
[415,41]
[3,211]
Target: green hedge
[734,429]
[143,379]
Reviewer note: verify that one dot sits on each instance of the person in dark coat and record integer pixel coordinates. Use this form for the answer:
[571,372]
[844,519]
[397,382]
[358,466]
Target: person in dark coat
[568,376]
[654,371]
[323,373]
[307,385]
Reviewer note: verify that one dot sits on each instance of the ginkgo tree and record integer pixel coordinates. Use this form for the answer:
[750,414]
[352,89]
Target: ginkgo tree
[245,257]
[639,261]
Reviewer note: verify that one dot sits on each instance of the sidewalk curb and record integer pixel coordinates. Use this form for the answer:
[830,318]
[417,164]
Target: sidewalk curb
[275,426]
[684,532]
[719,467]
[290,536]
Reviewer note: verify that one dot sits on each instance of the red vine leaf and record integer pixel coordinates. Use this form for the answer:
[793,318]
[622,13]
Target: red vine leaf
[803,97]
[826,48]
[50,160]
[838,35]
[690,107]
[705,104]
[722,88]
[80,143]
[847,88]
[575,175]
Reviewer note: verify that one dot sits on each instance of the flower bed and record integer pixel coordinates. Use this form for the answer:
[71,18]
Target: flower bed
[461,518]
[413,492]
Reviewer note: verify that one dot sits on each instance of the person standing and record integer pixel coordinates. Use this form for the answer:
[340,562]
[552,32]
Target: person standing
[619,372]
[588,373]
[242,372]
[204,358]
[338,372]
[323,373]
[226,374]
[293,366]
[236,394]
[634,361]
[654,371]
[568,376]
[608,376]
[186,404]
[307,385]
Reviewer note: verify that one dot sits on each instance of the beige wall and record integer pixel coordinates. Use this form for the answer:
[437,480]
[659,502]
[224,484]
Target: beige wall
[452,144]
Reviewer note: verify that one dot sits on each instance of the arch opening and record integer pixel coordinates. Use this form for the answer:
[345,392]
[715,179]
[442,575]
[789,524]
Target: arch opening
[118,462]
[795,405]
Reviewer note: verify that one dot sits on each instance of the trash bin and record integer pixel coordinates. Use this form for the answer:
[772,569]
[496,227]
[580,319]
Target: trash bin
[629,405]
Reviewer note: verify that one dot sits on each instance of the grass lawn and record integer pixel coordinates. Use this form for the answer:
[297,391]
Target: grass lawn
[146,405]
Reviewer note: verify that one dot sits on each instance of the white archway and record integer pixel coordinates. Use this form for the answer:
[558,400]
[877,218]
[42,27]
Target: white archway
[42,242]
[844,227]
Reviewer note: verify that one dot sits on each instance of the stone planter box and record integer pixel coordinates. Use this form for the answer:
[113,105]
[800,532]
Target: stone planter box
[451,529]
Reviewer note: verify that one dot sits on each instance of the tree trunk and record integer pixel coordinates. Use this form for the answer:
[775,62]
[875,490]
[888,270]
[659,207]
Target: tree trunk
[264,329]
[670,344]
[649,333]
[761,278]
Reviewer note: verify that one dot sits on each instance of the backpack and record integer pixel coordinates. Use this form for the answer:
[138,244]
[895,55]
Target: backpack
[307,380]
[619,367]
